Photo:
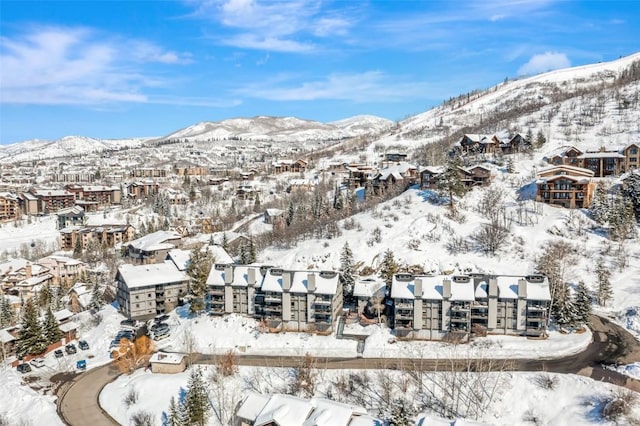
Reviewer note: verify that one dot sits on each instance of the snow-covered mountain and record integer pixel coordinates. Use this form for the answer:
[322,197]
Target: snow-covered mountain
[281,129]
[37,149]
[587,106]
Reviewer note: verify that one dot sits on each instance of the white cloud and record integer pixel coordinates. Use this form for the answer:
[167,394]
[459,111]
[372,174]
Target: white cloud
[70,65]
[355,87]
[543,62]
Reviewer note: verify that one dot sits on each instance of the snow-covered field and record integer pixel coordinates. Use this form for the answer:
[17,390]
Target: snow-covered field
[21,405]
[575,400]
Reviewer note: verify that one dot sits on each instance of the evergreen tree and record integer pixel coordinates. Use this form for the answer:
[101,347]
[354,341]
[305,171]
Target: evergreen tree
[449,182]
[45,297]
[510,166]
[540,139]
[631,192]
[198,269]
[77,248]
[256,203]
[176,415]
[291,213]
[243,257]
[225,242]
[582,303]
[599,208]
[622,223]
[388,268]
[50,329]
[346,272]
[7,315]
[529,136]
[401,412]
[97,298]
[31,339]
[603,285]
[197,406]
[251,252]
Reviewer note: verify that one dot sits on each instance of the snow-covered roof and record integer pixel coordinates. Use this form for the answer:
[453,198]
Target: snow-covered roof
[167,358]
[326,281]
[538,291]
[12,265]
[367,287]
[68,326]
[603,154]
[284,410]
[62,315]
[365,421]
[155,241]
[6,337]
[507,287]
[462,291]
[251,406]
[219,254]
[150,275]
[404,289]
[180,258]
[61,259]
[482,290]
[331,413]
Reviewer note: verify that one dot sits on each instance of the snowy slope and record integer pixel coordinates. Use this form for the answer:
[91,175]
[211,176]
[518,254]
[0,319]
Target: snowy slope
[281,129]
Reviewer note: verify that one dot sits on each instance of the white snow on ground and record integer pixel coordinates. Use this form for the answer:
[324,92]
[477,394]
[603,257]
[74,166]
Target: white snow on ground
[19,404]
[575,400]
[40,230]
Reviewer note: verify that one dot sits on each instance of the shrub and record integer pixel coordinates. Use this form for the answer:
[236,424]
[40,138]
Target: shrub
[619,404]
[226,364]
[546,381]
[143,418]
[131,397]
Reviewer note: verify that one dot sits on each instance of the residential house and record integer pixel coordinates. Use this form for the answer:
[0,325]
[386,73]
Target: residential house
[477,175]
[142,189]
[400,175]
[64,269]
[271,216]
[516,144]
[359,175]
[479,144]
[72,216]
[144,291]
[632,157]
[278,409]
[153,247]
[283,166]
[436,307]
[566,186]
[20,277]
[429,177]
[9,206]
[80,297]
[101,235]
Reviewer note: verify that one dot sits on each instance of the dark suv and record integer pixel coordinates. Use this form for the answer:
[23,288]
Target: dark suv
[83,345]
[24,368]
[70,348]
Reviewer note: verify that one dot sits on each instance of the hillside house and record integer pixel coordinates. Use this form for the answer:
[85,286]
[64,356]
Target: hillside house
[64,269]
[479,144]
[101,235]
[153,247]
[401,176]
[429,177]
[434,307]
[359,175]
[477,175]
[9,206]
[565,186]
[271,216]
[516,144]
[144,291]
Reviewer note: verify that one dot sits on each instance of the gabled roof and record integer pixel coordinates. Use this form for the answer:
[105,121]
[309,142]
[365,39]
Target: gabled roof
[152,274]
[155,241]
[565,170]
[284,410]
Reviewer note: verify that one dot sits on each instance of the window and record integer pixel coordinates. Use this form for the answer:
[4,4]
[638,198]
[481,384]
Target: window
[633,151]
[137,296]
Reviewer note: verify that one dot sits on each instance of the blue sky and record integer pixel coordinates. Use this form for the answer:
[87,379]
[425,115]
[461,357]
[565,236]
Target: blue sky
[114,69]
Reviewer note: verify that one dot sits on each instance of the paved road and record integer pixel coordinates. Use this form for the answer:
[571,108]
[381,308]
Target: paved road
[78,401]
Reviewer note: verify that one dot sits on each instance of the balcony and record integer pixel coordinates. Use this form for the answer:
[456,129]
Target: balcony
[216,291]
[322,302]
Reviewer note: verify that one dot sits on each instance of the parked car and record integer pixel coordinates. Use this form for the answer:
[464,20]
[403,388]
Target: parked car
[158,326]
[24,367]
[161,334]
[161,318]
[58,353]
[129,324]
[83,345]
[70,348]
[125,334]
[37,362]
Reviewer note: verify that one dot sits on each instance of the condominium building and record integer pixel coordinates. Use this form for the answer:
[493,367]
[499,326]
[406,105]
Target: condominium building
[566,186]
[144,291]
[436,307]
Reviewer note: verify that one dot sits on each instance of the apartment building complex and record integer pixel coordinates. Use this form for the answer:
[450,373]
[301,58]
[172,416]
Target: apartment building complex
[144,291]
[566,186]
[9,206]
[436,307]
[285,300]
[606,161]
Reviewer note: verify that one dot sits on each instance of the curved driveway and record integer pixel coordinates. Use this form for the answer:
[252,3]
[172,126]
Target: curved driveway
[78,402]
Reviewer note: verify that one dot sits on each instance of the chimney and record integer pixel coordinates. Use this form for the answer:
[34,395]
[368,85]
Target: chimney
[522,288]
[493,287]
[27,270]
[311,282]
[417,288]
[446,288]
[286,281]
[228,274]
[251,276]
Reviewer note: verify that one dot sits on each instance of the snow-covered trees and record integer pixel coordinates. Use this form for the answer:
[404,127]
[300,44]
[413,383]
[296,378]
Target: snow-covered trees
[631,192]
[449,182]
[622,223]
[347,272]
[198,269]
[50,329]
[599,208]
[540,139]
[196,403]
[603,285]
[7,315]
[31,337]
[388,268]
[176,415]
[554,262]
[97,297]
[582,303]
